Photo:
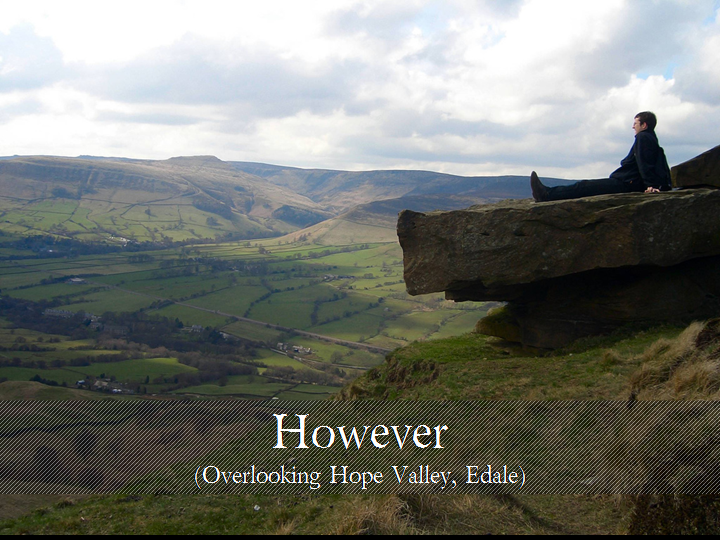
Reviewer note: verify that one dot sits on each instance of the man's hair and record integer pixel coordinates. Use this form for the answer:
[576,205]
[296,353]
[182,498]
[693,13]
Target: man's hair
[646,117]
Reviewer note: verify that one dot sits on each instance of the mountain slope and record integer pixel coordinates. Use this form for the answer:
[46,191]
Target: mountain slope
[201,197]
[177,199]
[376,221]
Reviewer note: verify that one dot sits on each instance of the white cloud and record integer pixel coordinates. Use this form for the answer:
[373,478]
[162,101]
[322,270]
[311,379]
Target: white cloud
[95,32]
[472,88]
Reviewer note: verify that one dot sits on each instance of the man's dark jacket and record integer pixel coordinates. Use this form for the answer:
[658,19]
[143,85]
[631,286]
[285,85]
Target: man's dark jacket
[645,166]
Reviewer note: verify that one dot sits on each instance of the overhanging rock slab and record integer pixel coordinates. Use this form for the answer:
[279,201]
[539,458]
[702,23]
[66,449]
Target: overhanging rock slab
[570,269]
[497,252]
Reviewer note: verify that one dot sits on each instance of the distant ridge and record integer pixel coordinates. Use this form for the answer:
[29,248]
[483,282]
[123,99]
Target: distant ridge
[187,198]
[347,188]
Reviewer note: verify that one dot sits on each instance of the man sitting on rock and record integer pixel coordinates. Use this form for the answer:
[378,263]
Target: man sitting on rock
[645,169]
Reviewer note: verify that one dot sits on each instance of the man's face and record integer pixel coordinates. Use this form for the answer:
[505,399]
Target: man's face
[639,126]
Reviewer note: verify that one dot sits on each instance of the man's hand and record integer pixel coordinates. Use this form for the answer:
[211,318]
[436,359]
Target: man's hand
[652,190]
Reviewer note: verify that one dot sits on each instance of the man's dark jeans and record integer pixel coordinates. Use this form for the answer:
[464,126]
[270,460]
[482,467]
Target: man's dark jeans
[588,188]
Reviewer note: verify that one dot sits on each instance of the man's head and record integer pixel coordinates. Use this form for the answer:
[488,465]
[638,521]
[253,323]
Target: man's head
[644,120]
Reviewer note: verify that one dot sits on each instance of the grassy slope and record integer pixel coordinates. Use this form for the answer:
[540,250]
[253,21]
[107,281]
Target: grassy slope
[319,515]
[178,199]
[463,367]
[475,367]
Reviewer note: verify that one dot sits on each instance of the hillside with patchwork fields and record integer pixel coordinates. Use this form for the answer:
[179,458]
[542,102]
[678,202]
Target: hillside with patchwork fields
[178,199]
[186,199]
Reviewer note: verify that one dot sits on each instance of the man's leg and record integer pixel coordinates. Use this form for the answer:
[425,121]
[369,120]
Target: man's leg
[586,188]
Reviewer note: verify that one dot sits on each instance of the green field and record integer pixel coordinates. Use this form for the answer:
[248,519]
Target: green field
[352,293]
[175,288]
[234,299]
[273,359]
[60,376]
[414,326]
[10,277]
[326,352]
[136,370]
[42,292]
[125,371]
[111,300]
[190,316]
[252,387]
[341,307]
[304,392]
[356,328]
[458,324]
[61,348]
[255,332]
[284,309]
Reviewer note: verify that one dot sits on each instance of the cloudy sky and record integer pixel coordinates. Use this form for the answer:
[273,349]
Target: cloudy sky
[461,86]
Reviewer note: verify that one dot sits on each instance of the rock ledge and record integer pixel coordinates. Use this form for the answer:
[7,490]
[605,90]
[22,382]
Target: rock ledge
[573,268]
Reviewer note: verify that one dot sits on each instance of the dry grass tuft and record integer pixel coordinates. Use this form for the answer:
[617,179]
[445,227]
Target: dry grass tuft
[375,515]
[287,527]
[611,358]
[686,367]
[434,514]
[702,377]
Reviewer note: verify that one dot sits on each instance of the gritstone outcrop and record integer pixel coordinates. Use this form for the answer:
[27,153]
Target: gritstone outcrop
[573,268]
[702,170]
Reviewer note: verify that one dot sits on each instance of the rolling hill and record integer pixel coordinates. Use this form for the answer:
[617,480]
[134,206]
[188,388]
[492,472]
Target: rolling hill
[175,199]
[198,198]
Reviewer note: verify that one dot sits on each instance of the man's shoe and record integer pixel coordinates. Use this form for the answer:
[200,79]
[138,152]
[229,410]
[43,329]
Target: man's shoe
[539,191]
